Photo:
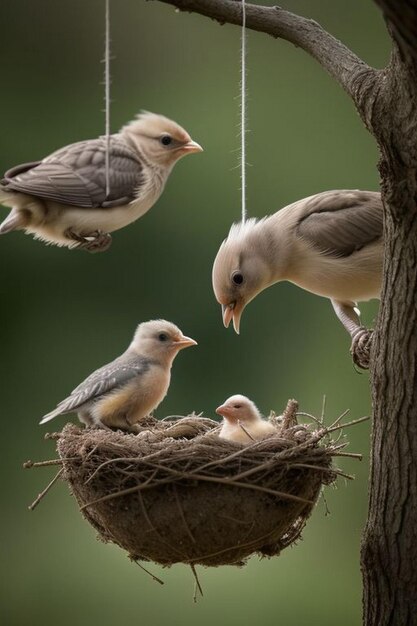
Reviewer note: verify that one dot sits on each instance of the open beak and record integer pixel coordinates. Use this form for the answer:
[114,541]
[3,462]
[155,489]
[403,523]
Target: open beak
[227,313]
[232,311]
[190,147]
[184,342]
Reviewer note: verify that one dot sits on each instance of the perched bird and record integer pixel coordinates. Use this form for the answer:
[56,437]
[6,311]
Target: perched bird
[330,244]
[243,422]
[126,390]
[64,199]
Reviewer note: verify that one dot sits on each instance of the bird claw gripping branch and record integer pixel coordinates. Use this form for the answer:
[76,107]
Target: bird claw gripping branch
[361,347]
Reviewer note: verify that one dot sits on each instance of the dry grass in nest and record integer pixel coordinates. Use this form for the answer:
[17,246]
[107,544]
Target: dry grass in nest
[177,493]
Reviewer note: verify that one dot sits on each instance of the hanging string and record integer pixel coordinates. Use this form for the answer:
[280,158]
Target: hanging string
[107,95]
[243,112]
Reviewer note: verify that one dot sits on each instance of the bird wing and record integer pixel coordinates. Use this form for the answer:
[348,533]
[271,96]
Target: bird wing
[104,380]
[76,175]
[339,223]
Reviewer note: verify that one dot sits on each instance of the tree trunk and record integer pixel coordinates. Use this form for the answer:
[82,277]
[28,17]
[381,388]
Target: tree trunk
[389,547]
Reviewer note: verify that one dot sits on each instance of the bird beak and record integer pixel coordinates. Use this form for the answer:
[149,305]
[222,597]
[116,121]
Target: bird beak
[226,412]
[184,342]
[227,313]
[190,147]
[232,311]
[221,410]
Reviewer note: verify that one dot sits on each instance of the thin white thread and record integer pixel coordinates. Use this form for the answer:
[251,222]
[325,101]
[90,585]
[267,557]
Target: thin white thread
[107,95]
[243,112]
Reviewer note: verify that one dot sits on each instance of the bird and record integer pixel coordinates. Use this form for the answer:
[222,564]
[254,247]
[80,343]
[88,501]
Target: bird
[330,244]
[64,199]
[123,392]
[243,422]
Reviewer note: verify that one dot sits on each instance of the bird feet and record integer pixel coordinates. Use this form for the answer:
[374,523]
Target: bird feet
[96,241]
[361,347]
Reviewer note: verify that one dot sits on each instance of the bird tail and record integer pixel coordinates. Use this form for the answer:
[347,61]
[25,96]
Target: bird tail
[50,416]
[13,221]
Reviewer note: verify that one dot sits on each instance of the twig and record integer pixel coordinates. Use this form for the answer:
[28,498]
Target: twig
[289,417]
[30,464]
[120,459]
[155,578]
[338,446]
[197,586]
[326,508]
[245,431]
[324,469]
[337,421]
[203,478]
[347,424]
[323,408]
[181,417]
[304,414]
[53,436]
[43,493]
[352,455]
[235,483]
[93,449]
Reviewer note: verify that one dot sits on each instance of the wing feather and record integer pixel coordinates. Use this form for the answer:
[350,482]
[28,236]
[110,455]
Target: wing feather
[104,380]
[339,223]
[76,175]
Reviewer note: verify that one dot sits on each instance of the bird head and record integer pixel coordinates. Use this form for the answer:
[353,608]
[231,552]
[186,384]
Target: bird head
[241,270]
[159,340]
[162,141]
[239,408]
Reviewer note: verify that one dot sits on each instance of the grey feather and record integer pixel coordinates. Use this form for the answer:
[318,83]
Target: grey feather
[76,175]
[105,380]
[339,223]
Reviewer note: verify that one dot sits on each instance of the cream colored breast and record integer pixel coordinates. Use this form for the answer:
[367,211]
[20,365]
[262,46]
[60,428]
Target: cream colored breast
[135,400]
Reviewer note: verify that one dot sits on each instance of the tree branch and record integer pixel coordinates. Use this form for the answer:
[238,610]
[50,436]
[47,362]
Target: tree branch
[401,19]
[336,58]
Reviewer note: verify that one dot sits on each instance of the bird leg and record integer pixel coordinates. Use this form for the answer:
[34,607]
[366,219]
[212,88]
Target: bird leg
[96,241]
[361,337]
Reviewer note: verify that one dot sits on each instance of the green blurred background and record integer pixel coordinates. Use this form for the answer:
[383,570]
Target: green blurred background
[64,313]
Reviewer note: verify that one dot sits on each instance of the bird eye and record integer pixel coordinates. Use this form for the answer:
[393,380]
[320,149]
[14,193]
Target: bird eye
[166,140]
[162,337]
[237,406]
[237,278]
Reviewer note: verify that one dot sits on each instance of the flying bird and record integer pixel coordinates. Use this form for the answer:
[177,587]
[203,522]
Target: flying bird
[243,422]
[330,244]
[126,390]
[64,199]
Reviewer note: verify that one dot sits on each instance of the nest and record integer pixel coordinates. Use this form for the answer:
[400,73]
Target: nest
[177,493]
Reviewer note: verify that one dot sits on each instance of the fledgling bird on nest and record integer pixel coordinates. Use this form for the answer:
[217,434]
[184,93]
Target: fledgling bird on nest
[63,200]
[330,244]
[123,392]
[243,422]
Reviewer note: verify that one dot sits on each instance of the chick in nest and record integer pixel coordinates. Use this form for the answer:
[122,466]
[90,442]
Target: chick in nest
[243,422]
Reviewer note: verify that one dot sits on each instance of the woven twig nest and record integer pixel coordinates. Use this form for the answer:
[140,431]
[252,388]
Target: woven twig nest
[177,493]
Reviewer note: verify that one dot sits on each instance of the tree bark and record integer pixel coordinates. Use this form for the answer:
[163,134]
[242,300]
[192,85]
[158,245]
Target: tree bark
[389,545]
[387,102]
[340,62]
